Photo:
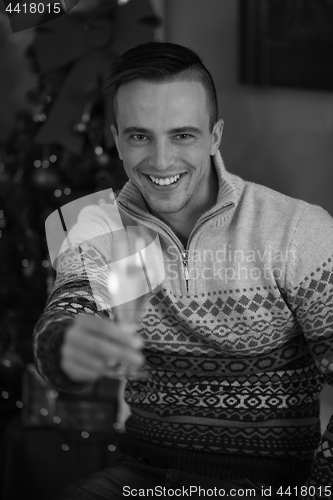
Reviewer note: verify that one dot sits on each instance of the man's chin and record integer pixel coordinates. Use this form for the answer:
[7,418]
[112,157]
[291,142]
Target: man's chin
[159,208]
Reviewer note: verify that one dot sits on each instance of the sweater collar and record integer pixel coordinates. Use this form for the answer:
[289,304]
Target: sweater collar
[228,192]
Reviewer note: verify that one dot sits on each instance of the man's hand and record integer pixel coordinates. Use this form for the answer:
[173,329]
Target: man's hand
[94,347]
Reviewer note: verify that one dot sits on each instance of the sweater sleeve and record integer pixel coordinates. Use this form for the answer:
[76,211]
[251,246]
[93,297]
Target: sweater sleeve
[310,296]
[80,287]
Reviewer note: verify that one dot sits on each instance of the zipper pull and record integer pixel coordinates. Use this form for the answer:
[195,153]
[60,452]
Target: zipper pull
[185,266]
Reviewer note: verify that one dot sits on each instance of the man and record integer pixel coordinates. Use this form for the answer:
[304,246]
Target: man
[237,340]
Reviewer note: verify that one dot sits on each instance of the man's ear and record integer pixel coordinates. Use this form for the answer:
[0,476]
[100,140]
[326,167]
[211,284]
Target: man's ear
[116,140]
[216,137]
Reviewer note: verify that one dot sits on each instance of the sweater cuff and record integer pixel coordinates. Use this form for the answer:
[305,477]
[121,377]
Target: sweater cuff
[47,354]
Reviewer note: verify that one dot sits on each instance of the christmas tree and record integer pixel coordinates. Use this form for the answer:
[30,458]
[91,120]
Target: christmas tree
[55,147]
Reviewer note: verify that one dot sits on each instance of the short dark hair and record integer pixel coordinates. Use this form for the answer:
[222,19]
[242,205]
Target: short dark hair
[162,62]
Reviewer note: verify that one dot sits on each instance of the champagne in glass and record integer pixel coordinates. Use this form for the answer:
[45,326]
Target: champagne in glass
[128,286]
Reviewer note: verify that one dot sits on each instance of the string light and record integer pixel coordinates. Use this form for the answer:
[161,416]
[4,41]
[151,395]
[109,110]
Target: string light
[5,395]
[45,263]
[57,193]
[79,127]
[37,163]
[57,420]
[25,263]
[53,158]
[39,117]
[67,191]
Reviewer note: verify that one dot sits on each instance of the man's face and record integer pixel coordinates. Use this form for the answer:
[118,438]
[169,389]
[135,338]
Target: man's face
[165,142]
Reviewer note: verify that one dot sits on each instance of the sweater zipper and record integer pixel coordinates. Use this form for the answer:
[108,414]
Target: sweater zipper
[185,267]
[184,251]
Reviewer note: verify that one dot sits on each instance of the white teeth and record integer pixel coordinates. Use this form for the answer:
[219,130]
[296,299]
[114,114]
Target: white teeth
[165,182]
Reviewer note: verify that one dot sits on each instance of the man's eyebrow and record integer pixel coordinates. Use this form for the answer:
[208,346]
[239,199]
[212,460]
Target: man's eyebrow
[136,130]
[177,130]
[186,130]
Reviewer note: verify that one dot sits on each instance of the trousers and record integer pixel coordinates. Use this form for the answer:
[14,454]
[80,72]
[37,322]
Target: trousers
[131,477]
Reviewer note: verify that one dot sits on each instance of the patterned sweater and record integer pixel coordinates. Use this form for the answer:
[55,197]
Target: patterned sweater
[238,336]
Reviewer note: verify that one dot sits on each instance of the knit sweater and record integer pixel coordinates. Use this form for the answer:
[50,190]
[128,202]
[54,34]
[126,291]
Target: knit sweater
[238,337]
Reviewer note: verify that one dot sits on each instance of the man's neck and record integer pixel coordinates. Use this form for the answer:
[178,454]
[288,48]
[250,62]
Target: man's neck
[182,227]
[183,222]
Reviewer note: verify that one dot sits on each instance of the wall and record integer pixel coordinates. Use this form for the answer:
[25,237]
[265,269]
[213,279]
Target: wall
[278,137]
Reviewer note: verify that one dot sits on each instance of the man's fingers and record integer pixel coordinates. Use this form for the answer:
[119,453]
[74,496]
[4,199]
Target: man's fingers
[82,359]
[95,341]
[109,330]
[102,348]
[79,370]
[92,344]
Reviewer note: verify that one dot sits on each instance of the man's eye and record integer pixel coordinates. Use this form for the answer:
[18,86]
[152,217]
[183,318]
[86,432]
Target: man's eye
[184,136]
[139,137]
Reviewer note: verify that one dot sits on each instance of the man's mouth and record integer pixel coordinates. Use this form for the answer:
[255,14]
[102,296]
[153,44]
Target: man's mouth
[165,181]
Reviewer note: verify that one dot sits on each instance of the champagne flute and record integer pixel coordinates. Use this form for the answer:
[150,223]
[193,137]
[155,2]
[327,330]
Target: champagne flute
[128,286]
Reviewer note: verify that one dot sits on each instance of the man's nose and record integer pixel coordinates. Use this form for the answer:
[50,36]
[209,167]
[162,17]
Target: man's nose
[162,155]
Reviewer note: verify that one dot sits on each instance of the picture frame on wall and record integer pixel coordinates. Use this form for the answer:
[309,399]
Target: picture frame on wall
[287,43]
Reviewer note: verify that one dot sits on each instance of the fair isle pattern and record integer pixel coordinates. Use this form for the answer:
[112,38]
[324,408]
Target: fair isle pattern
[81,264]
[71,295]
[314,302]
[270,382]
[219,318]
[254,395]
[233,386]
[261,440]
[236,371]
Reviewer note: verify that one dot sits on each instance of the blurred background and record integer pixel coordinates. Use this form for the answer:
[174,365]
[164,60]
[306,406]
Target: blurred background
[272,64]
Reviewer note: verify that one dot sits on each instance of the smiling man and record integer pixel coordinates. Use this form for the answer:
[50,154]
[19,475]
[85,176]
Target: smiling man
[166,135]
[237,340]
